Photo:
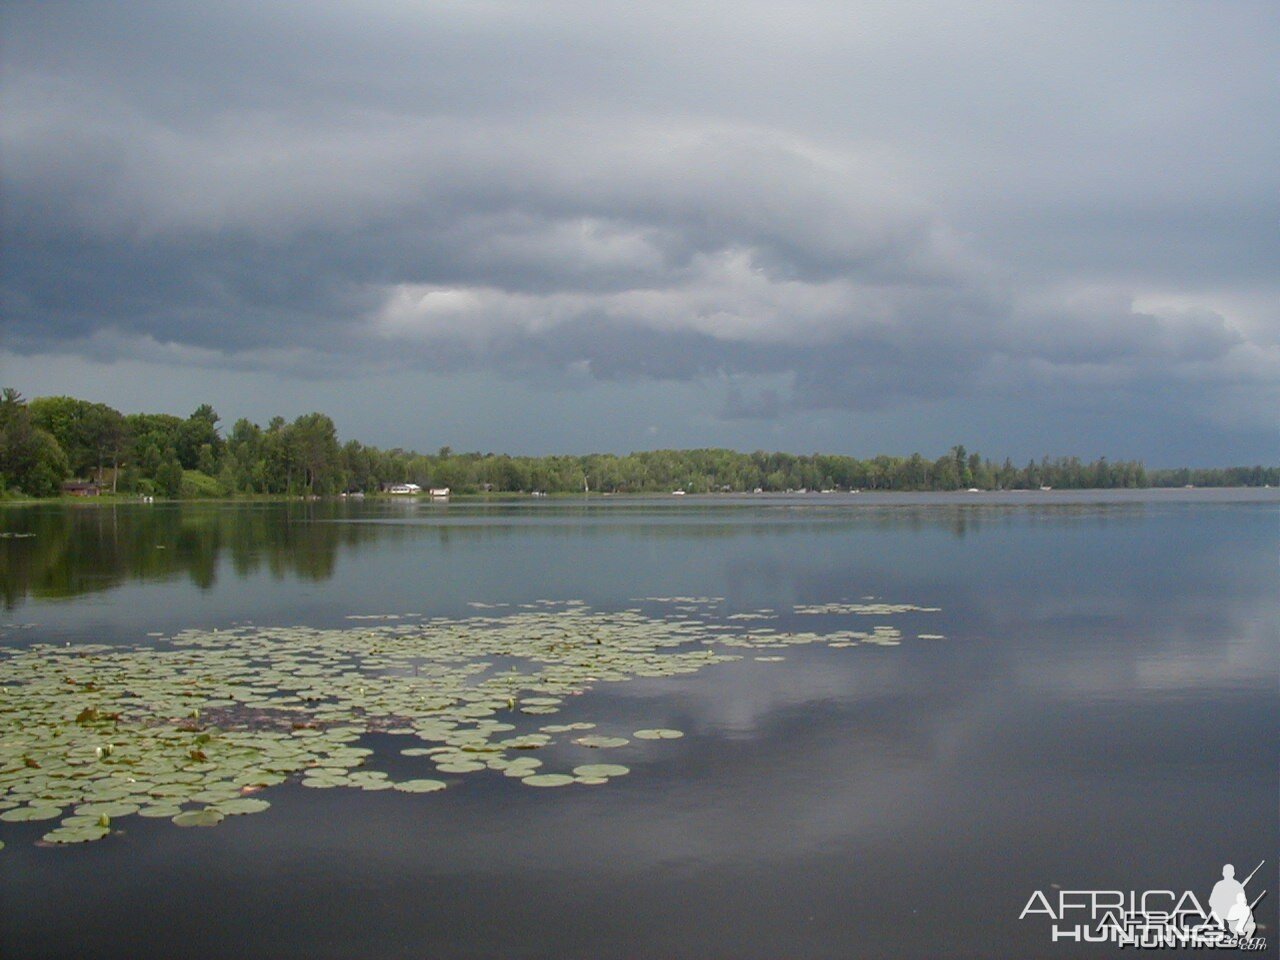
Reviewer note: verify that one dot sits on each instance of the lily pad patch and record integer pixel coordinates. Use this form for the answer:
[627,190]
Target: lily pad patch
[93,733]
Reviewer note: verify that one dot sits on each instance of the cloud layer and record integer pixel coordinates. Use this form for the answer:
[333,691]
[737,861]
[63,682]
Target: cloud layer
[993,205]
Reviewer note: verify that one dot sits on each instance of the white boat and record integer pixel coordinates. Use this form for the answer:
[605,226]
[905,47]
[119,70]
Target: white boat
[677,493]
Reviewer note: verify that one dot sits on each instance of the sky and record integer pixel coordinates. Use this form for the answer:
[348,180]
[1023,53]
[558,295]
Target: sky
[538,227]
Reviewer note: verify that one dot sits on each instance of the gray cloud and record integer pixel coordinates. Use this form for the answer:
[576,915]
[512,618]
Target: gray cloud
[882,208]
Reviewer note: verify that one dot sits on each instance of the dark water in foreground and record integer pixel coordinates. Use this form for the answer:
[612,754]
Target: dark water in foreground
[1103,714]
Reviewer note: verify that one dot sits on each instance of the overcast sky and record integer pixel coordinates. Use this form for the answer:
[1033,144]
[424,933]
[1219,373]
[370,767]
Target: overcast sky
[559,227]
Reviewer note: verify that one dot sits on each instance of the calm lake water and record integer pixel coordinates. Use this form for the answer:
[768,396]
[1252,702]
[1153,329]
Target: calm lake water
[1102,714]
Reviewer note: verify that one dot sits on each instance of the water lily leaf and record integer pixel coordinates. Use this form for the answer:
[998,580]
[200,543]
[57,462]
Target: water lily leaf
[420,786]
[242,805]
[111,809]
[548,780]
[24,814]
[460,766]
[597,742]
[658,733]
[79,834]
[166,812]
[593,770]
[208,817]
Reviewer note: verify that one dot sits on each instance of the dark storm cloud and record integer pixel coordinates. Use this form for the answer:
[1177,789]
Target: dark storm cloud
[882,206]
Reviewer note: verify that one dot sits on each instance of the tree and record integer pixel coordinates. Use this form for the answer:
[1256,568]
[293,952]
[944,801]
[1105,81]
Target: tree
[244,458]
[198,430]
[314,440]
[90,434]
[104,434]
[169,476]
[30,458]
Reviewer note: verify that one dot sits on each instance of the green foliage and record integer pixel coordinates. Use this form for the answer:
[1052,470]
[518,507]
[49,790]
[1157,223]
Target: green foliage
[197,442]
[1256,476]
[169,478]
[197,485]
[91,435]
[167,456]
[31,459]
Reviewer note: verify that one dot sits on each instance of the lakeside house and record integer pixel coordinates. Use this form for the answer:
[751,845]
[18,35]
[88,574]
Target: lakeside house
[402,489]
[439,493]
[81,488]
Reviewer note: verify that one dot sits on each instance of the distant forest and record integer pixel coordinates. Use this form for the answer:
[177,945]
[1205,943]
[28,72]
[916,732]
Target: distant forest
[48,441]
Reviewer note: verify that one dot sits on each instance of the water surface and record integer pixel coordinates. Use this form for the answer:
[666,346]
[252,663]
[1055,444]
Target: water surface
[1101,714]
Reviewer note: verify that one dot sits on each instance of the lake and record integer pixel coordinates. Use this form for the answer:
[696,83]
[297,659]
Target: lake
[901,716]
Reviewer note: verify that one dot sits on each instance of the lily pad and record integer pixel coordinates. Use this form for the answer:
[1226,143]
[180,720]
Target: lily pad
[420,786]
[242,805]
[596,742]
[24,814]
[208,817]
[594,770]
[113,809]
[166,812]
[548,780]
[658,733]
[78,834]
[460,767]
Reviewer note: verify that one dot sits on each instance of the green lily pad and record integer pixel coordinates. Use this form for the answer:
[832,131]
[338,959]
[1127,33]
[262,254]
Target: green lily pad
[165,811]
[78,834]
[521,769]
[113,809]
[208,817]
[242,805]
[593,770]
[596,742]
[658,733]
[420,786]
[548,780]
[25,814]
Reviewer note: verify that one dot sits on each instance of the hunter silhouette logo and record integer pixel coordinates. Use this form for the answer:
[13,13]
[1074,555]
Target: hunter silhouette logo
[1230,904]
[1154,919]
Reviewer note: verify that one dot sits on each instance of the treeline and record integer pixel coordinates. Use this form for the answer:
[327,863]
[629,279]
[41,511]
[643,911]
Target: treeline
[1257,476]
[49,440]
